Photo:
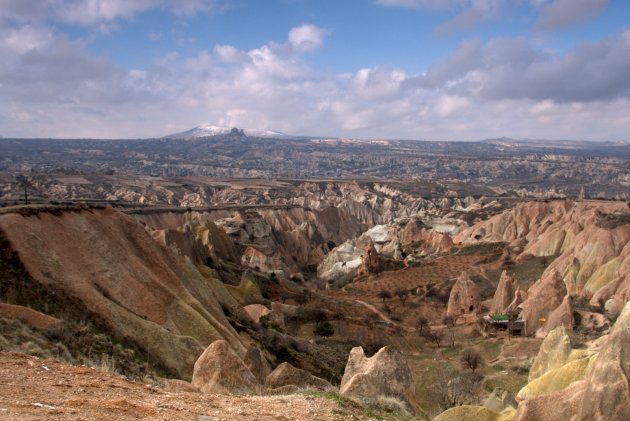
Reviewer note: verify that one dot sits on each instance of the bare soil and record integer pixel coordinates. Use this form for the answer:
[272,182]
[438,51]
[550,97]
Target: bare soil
[37,389]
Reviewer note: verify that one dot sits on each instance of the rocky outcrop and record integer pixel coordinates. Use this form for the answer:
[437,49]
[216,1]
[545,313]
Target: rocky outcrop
[542,299]
[500,400]
[29,316]
[287,375]
[389,241]
[507,296]
[246,293]
[561,316]
[594,322]
[603,393]
[386,374]
[468,413]
[256,259]
[553,353]
[555,379]
[256,311]
[607,394]
[103,266]
[370,261]
[464,298]
[592,252]
[559,405]
[257,364]
[220,370]
[613,296]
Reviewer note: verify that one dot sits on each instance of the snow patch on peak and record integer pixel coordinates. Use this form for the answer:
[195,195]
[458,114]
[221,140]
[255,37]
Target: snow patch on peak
[207,130]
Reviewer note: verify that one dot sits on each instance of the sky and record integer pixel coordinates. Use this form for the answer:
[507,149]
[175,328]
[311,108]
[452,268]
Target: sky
[396,69]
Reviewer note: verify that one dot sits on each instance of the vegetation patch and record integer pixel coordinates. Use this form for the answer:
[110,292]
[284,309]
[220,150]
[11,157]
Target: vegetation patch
[613,220]
[482,248]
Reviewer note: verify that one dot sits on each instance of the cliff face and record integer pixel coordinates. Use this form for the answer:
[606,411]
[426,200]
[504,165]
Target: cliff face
[591,240]
[106,264]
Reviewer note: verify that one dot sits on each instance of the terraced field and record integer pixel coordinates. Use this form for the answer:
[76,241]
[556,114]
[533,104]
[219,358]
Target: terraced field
[441,269]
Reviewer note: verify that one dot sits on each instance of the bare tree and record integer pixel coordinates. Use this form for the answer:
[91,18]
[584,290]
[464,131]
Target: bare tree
[421,323]
[451,336]
[471,359]
[384,295]
[402,294]
[26,183]
[434,335]
[449,321]
[387,309]
[455,390]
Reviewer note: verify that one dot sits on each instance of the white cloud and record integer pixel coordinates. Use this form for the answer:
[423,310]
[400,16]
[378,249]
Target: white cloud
[26,38]
[469,13]
[53,86]
[306,37]
[422,4]
[448,104]
[230,54]
[94,12]
[563,13]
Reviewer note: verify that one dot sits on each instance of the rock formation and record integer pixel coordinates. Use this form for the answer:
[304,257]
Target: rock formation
[287,375]
[603,392]
[347,260]
[555,379]
[370,261]
[220,370]
[553,353]
[247,292]
[464,297]
[468,413]
[257,364]
[507,296]
[559,405]
[613,296]
[386,374]
[102,265]
[542,298]
[29,316]
[500,400]
[256,311]
[590,239]
[607,392]
[561,316]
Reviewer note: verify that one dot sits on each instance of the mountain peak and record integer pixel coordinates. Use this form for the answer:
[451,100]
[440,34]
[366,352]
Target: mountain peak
[207,130]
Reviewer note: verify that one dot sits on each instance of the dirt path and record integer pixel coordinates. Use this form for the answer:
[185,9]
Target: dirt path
[33,388]
[375,310]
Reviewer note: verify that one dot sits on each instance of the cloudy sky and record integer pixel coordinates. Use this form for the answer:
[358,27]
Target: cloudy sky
[411,69]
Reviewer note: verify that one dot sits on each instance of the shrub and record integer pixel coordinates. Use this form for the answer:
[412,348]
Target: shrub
[324,328]
[384,295]
[471,359]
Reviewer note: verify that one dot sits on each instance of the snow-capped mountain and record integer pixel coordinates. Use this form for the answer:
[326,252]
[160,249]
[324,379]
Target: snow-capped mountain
[206,130]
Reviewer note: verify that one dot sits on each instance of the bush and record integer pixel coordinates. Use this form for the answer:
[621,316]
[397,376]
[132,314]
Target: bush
[471,359]
[324,328]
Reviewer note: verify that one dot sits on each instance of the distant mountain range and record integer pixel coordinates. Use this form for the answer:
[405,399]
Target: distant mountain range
[207,130]
[542,143]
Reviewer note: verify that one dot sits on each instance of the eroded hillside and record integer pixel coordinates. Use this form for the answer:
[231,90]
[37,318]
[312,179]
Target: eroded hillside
[157,286]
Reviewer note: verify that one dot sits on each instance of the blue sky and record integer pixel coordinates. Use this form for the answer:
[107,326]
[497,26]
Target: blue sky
[418,69]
